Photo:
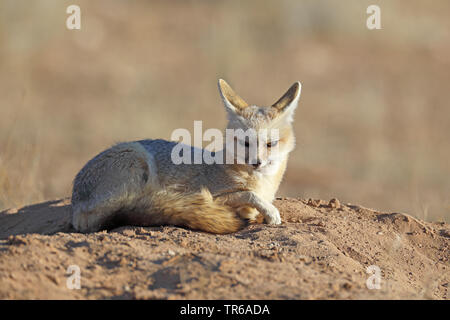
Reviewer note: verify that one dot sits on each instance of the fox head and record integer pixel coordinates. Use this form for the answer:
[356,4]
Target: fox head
[261,137]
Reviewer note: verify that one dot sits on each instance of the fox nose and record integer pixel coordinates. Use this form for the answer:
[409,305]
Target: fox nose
[257,164]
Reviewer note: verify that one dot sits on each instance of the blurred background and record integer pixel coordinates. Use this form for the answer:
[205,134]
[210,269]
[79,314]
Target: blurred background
[372,128]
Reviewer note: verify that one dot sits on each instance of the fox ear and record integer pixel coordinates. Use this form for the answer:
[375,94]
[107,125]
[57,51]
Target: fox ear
[289,101]
[231,100]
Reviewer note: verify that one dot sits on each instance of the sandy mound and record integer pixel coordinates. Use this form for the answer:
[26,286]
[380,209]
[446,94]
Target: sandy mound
[321,250]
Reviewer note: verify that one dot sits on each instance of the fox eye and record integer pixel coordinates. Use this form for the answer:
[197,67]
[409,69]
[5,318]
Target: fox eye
[272,144]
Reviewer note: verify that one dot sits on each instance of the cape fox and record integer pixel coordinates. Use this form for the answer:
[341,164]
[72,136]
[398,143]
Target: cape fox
[137,183]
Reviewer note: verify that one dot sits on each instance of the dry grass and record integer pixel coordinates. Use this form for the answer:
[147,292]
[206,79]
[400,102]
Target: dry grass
[372,127]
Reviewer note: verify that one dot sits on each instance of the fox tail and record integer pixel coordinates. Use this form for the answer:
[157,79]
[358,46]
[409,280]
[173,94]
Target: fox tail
[196,210]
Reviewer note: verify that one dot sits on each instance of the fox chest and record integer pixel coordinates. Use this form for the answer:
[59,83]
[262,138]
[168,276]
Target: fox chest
[265,187]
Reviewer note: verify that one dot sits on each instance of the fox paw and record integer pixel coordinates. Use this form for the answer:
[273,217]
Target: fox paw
[273,216]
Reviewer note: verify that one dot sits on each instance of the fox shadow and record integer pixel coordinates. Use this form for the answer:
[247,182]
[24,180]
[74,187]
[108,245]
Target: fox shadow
[55,216]
[43,218]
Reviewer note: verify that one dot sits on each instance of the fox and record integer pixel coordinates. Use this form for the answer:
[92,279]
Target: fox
[137,183]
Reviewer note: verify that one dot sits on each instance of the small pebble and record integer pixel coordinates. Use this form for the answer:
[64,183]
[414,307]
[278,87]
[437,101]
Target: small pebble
[334,203]
[314,202]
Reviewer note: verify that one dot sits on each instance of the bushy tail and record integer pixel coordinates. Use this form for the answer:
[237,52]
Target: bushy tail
[197,211]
